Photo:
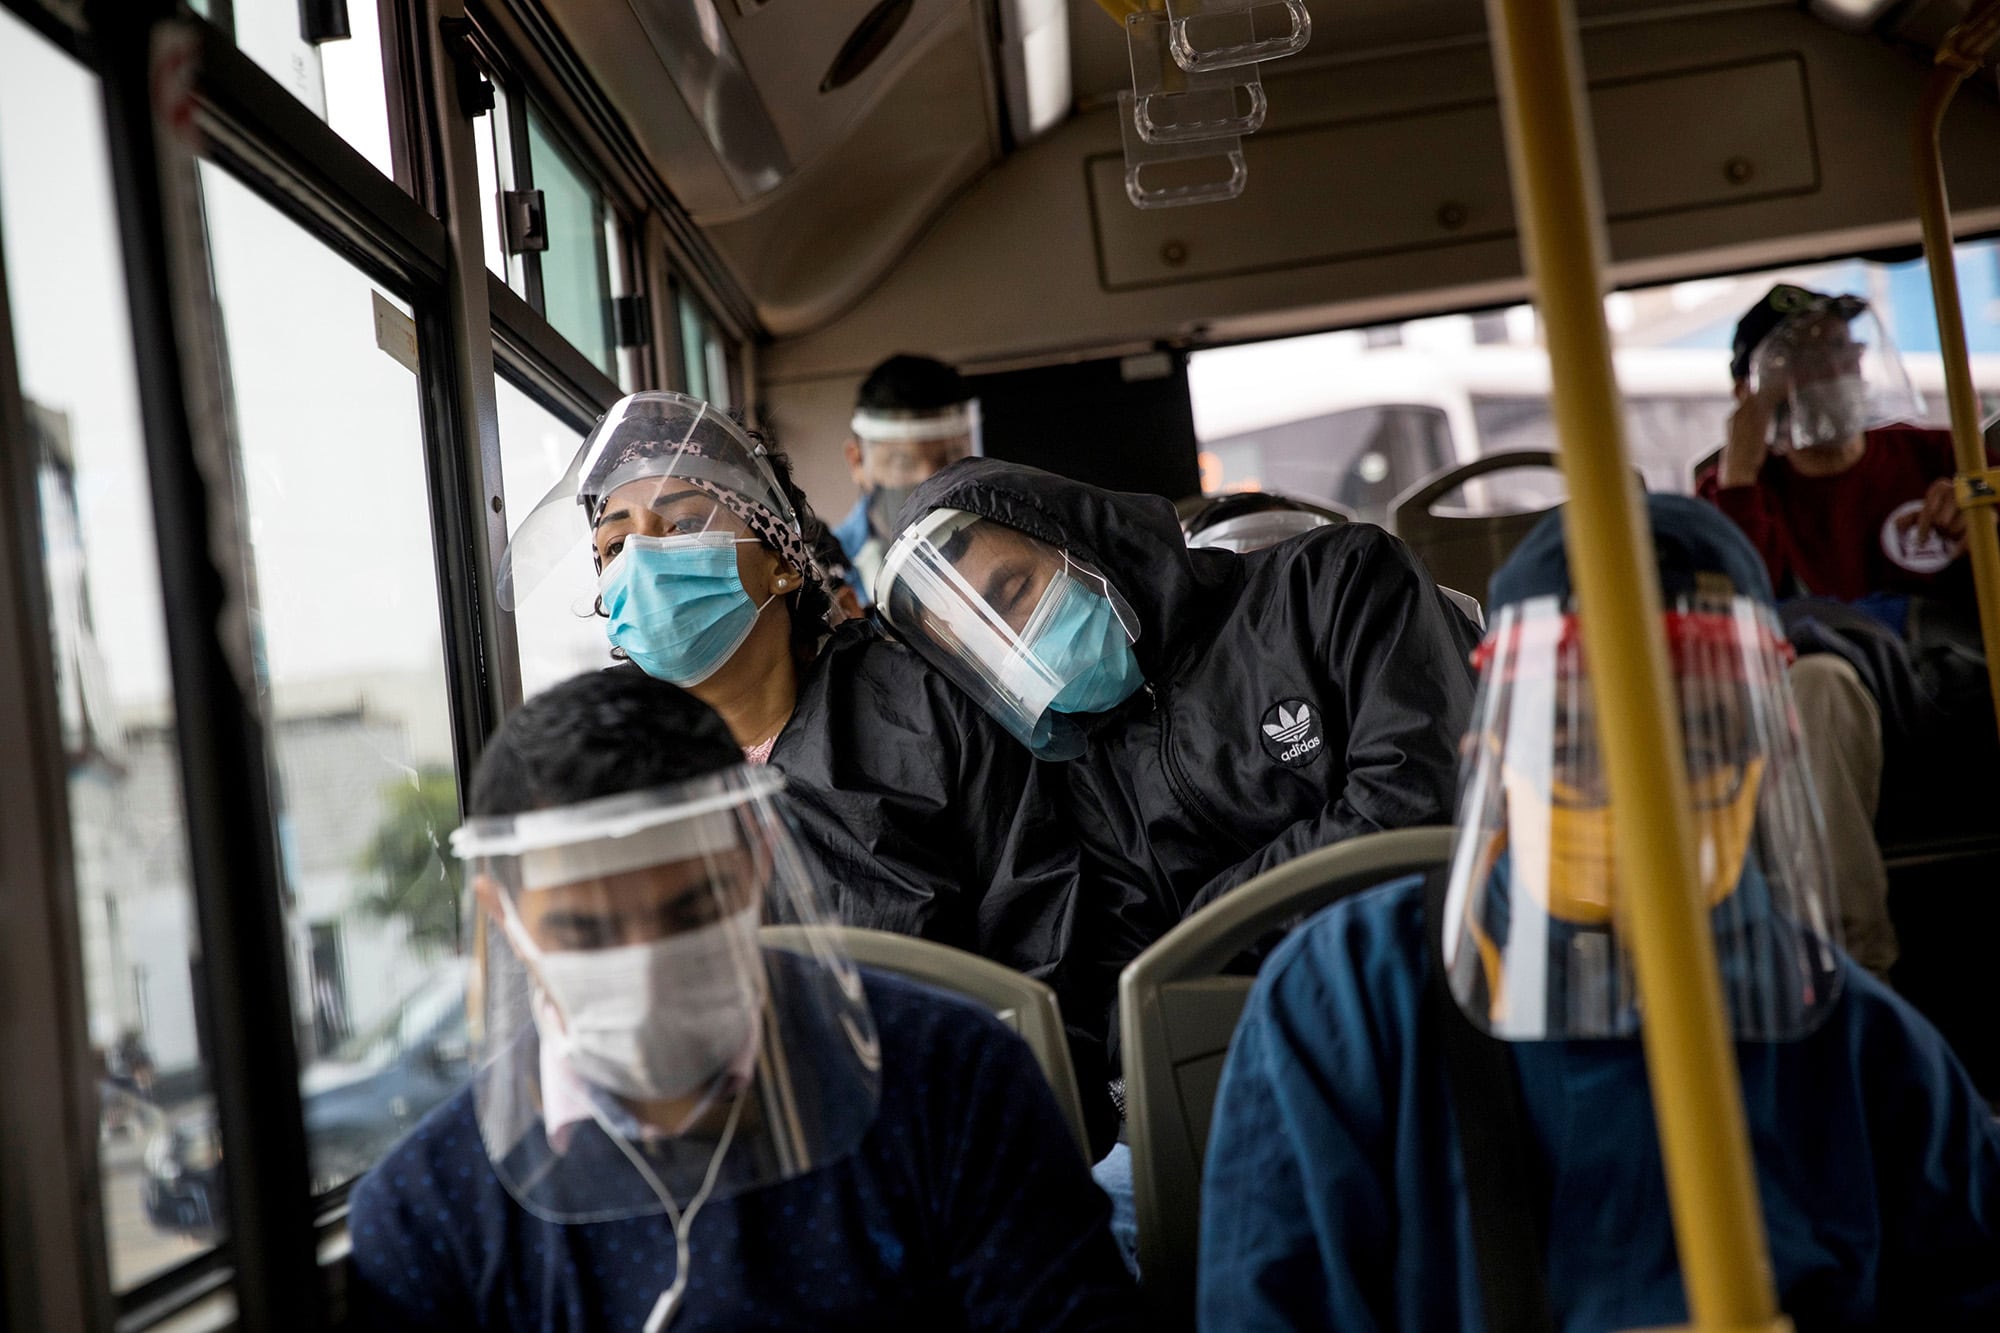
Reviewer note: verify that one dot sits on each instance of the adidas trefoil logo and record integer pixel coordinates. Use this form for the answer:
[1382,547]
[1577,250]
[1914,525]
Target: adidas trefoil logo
[1292,733]
[1290,725]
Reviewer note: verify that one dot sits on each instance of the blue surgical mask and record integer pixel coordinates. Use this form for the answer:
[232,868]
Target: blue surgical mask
[677,605]
[1080,641]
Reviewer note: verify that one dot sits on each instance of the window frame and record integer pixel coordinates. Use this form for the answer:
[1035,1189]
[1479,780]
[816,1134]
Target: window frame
[406,236]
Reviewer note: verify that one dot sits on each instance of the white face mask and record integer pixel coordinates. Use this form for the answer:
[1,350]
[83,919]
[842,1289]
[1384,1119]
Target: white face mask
[662,1019]
[1829,412]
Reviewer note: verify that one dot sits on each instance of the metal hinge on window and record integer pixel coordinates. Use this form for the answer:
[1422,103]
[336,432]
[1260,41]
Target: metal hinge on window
[632,320]
[527,221]
[475,90]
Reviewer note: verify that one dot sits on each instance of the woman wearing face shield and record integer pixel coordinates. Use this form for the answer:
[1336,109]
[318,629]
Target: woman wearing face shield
[672,1123]
[923,818]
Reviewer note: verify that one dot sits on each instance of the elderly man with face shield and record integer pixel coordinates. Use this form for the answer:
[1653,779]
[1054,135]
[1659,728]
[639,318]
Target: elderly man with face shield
[913,417]
[674,1123]
[1435,1112]
[1221,713]
[923,817]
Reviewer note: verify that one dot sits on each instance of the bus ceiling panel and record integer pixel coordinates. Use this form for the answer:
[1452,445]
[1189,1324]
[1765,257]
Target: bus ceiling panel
[1731,138]
[1351,30]
[817,243]
[1689,160]
[764,88]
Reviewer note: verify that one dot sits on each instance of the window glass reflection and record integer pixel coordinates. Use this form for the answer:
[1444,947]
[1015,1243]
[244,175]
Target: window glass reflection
[704,354]
[495,157]
[558,629]
[345,597]
[341,81]
[108,637]
[576,275]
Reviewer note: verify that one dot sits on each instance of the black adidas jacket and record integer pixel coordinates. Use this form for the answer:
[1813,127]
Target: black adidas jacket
[1295,696]
[927,819]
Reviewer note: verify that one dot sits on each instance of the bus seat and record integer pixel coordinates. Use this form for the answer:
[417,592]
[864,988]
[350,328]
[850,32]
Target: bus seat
[1024,1004]
[1177,1013]
[1463,550]
[1467,603]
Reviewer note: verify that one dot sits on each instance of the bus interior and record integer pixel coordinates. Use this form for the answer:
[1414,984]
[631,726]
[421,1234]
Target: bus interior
[374,267]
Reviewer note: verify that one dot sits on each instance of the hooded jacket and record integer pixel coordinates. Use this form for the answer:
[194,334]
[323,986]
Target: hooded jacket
[927,819]
[1295,696]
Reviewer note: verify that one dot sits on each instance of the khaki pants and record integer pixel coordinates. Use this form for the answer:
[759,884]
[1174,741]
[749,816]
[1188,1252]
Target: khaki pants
[1843,749]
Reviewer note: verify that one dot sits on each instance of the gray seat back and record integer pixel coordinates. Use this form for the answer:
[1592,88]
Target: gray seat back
[1021,1002]
[1463,550]
[1177,1014]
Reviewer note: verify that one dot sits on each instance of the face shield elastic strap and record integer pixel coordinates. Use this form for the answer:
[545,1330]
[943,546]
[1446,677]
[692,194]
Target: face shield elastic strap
[871,427]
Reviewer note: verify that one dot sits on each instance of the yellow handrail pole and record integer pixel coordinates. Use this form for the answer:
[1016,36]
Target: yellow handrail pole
[1696,1098]
[1960,54]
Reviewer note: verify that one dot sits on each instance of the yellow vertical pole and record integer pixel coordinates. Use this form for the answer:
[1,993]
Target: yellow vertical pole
[1696,1098]
[1960,54]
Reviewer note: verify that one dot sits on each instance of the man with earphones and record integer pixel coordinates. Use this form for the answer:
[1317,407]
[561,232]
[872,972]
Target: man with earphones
[682,1116]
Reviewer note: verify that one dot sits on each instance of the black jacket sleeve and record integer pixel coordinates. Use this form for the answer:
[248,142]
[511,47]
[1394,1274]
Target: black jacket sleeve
[1396,654]
[928,819]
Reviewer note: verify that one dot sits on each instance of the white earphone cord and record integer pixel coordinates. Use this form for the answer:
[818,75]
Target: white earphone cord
[670,1299]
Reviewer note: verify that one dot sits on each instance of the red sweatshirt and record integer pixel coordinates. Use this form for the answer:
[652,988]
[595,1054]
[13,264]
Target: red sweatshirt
[1829,532]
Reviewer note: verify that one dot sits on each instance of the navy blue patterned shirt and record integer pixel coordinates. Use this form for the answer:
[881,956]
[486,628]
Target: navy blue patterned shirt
[966,1206]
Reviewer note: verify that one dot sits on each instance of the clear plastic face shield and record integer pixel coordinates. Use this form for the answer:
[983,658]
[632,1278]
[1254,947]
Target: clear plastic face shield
[1253,532]
[1830,372]
[639,1052]
[1531,937]
[1034,635]
[657,466]
[902,450]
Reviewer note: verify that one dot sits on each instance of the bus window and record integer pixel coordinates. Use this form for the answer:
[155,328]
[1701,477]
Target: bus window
[556,623]
[340,79]
[1279,407]
[107,636]
[704,352]
[351,668]
[1362,458]
[576,268]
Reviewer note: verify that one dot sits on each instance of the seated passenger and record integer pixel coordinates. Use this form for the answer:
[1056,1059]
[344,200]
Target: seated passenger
[924,819]
[912,417]
[672,1122]
[1223,712]
[1845,507]
[1338,1191]
[1838,499]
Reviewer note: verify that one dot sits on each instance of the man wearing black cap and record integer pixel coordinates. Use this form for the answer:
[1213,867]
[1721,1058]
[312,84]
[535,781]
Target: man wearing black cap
[1847,503]
[1840,498]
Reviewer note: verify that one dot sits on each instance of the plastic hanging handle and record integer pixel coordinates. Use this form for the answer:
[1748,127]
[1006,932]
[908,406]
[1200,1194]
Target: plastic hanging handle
[1172,105]
[1171,175]
[1193,20]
